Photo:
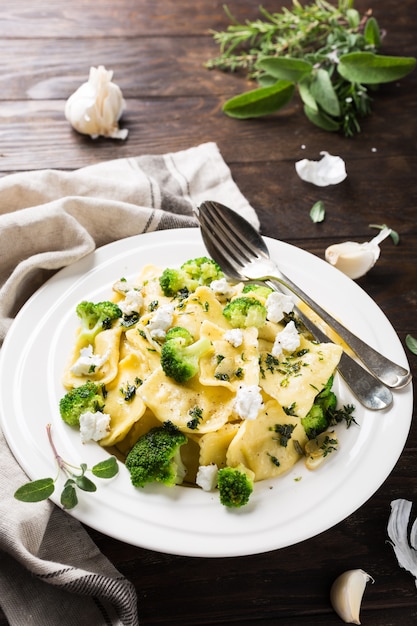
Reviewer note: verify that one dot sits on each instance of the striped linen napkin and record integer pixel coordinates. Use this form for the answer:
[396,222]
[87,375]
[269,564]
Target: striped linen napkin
[51,572]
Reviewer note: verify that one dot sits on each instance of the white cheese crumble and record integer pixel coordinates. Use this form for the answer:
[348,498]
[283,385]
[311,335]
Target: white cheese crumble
[122,286]
[234,337]
[277,304]
[248,401]
[330,170]
[88,362]
[207,477]
[288,340]
[222,288]
[132,303]
[94,426]
[161,321]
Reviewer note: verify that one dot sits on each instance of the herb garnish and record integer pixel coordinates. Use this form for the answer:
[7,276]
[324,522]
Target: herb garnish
[42,489]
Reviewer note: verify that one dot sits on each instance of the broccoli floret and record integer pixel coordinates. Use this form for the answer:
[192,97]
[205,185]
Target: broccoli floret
[235,485]
[96,317]
[87,397]
[319,416]
[191,274]
[156,457]
[180,354]
[244,312]
[261,290]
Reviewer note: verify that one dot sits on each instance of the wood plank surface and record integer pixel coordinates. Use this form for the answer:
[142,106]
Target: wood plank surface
[158,50]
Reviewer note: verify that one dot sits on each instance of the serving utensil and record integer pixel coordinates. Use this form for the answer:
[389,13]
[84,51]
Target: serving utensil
[243,255]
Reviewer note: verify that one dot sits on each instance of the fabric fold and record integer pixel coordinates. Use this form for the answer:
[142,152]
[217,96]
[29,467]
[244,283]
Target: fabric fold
[51,572]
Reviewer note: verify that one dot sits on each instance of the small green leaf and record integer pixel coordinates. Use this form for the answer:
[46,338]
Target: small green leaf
[69,496]
[261,101]
[321,119]
[353,17]
[411,343]
[372,33]
[317,212]
[285,68]
[372,69]
[324,94]
[107,468]
[306,95]
[266,80]
[35,491]
[85,483]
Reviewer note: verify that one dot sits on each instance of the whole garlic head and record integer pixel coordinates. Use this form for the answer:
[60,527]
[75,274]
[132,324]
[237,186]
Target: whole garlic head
[356,259]
[347,592]
[96,106]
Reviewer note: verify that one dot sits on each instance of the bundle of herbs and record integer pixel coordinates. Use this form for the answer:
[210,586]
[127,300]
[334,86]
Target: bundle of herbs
[326,53]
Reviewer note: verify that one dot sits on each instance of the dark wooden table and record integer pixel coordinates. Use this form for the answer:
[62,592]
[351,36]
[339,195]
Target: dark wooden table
[157,50]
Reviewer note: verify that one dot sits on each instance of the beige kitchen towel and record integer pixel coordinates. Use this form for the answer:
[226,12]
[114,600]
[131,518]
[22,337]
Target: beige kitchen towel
[51,572]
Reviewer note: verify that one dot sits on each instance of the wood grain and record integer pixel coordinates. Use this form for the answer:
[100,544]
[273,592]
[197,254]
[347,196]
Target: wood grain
[158,50]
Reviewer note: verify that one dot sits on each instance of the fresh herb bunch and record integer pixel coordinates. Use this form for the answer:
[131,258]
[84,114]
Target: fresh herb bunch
[42,489]
[329,53]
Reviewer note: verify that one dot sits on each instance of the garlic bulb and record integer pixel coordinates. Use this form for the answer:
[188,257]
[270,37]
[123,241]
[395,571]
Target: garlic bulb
[356,259]
[347,592]
[330,170]
[95,108]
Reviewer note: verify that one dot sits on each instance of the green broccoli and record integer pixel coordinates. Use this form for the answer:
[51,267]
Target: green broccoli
[191,274]
[235,485]
[156,457]
[244,312]
[261,290]
[96,317]
[319,416]
[87,397]
[180,354]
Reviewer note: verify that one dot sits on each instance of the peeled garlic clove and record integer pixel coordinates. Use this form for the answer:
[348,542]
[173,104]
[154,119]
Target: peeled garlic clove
[356,259]
[347,592]
[96,106]
[330,170]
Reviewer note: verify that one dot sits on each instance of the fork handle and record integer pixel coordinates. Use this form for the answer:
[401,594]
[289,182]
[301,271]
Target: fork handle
[366,388]
[388,372]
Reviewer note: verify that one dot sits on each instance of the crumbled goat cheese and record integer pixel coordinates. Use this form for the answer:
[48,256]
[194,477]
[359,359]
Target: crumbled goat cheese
[234,337]
[161,321]
[207,477]
[132,303]
[288,339]
[94,426]
[122,286]
[248,401]
[88,362]
[330,170]
[277,304]
[222,288]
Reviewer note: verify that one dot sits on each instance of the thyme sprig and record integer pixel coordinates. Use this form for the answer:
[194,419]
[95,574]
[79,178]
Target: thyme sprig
[329,53]
[43,488]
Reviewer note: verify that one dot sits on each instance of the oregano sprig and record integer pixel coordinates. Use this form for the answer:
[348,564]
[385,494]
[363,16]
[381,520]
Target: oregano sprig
[328,54]
[43,488]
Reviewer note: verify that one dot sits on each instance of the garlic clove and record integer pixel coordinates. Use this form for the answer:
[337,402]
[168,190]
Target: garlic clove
[318,450]
[356,259]
[347,592]
[330,170]
[96,106]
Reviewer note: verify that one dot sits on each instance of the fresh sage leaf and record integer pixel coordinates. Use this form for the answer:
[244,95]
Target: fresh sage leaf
[353,17]
[266,80]
[411,343]
[321,119]
[69,496]
[285,68]
[373,69]
[306,95]
[107,468]
[317,212]
[324,94]
[36,490]
[261,101]
[85,483]
[372,33]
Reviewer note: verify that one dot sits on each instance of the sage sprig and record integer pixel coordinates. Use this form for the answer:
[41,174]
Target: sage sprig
[328,54]
[43,488]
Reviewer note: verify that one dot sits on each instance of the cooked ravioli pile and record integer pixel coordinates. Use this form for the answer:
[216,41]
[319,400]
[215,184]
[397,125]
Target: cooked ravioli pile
[227,365]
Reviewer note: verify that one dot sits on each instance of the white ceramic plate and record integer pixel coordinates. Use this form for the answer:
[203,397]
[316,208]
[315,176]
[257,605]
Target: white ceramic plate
[182,520]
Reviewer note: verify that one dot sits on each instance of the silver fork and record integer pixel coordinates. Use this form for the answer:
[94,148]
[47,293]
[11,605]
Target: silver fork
[242,253]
